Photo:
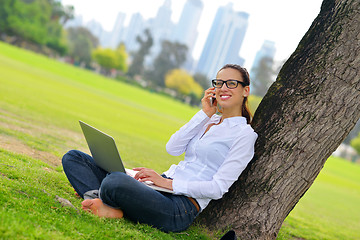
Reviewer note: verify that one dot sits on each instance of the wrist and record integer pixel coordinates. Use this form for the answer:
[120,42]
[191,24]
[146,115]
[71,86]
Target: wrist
[209,112]
[168,184]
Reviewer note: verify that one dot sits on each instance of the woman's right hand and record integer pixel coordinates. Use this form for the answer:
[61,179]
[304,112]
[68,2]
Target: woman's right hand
[207,107]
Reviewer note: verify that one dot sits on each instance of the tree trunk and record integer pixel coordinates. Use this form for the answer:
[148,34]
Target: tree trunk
[303,118]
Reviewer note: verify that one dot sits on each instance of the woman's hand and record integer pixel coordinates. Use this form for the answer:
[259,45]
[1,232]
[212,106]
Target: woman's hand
[147,174]
[207,107]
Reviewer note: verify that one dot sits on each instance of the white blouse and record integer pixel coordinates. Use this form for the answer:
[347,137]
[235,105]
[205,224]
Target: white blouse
[214,160]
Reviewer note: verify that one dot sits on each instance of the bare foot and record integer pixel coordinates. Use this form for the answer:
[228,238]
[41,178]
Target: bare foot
[97,207]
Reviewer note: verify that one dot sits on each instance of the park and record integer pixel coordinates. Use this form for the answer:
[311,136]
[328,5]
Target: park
[292,189]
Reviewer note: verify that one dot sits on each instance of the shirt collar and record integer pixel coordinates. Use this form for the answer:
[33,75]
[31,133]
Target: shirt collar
[231,122]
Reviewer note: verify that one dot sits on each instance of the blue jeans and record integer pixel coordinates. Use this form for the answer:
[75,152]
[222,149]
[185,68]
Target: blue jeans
[167,212]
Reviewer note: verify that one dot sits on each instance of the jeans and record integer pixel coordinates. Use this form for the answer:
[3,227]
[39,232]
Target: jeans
[139,203]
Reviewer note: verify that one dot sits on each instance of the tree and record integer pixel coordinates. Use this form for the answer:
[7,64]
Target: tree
[121,58]
[302,119]
[262,76]
[35,21]
[183,83]
[81,43]
[111,59]
[353,134]
[202,80]
[171,56]
[355,143]
[137,65]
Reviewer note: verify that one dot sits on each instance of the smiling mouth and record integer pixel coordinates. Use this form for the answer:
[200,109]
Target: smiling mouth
[224,97]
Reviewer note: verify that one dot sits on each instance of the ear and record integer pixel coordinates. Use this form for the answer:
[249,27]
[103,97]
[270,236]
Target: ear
[246,91]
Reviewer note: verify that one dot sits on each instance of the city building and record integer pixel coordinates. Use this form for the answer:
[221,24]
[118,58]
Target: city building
[161,28]
[135,28]
[186,31]
[224,41]
[118,31]
[267,50]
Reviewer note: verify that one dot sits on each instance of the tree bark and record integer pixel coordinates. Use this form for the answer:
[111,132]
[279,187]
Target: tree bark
[305,115]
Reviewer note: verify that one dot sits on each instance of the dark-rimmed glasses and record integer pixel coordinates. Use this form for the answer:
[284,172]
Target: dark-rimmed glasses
[217,83]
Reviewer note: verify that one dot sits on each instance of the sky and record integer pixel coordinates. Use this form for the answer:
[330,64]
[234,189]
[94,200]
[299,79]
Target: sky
[282,21]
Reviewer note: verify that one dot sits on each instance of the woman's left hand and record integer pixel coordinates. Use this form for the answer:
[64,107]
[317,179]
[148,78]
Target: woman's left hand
[147,174]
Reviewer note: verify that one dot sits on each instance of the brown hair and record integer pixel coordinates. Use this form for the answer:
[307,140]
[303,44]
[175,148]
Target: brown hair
[245,111]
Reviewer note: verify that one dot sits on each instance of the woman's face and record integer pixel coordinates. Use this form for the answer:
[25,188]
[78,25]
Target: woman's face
[227,98]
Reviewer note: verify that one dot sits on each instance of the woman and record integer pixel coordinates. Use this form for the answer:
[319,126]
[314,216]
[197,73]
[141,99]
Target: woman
[218,148]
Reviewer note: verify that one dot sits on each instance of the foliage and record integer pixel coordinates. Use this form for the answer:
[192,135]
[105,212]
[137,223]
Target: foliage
[111,59]
[355,132]
[171,56]
[81,43]
[183,82]
[42,116]
[202,80]
[137,65]
[355,143]
[262,76]
[35,21]
[121,58]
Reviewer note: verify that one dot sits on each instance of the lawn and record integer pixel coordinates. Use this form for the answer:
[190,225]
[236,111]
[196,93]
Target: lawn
[41,101]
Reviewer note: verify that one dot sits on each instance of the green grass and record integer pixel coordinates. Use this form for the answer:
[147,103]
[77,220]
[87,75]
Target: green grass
[29,209]
[330,209]
[41,101]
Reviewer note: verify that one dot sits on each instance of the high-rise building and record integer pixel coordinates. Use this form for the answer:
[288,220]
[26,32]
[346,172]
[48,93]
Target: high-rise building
[161,28]
[118,30]
[136,27]
[185,31]
[97,30]
[224,41]
[267,50]
[260,83]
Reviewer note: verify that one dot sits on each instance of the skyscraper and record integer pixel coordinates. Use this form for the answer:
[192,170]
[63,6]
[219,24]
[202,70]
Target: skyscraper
[186,30]
[224,41]
[261,73]
[136,27]
[118,30]
[267,50]
[161,27]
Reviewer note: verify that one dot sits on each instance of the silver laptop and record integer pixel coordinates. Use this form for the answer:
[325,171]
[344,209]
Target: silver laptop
[106,155]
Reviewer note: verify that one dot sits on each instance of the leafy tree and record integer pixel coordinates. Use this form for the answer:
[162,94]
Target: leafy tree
[81,43]
[202,80]
[34,21]
[183,82]
[171,56]
[111,59]
[137,65]
[262,76]
[29,20]
[121,58]
[302,119]
[355,143]
[353,134]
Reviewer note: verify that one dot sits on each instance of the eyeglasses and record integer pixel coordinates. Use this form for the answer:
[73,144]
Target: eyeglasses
[217,83]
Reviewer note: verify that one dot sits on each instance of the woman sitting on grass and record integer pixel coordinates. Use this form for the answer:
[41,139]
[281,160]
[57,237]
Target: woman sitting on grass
[218,148]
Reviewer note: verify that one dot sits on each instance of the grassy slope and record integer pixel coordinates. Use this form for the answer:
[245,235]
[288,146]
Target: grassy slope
[40,103]
[46,93]
[330,209]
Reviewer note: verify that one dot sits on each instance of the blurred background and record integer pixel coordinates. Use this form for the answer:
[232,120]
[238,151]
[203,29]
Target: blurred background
[170,47]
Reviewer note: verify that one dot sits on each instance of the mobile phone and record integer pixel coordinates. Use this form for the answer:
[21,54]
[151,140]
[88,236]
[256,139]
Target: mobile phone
[212,100]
